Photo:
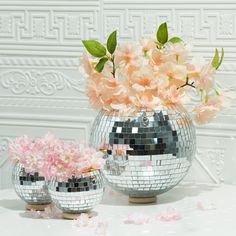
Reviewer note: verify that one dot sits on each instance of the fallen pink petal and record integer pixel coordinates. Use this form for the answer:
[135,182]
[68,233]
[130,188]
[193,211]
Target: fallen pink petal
[101,228]
[170,214]
[205,206]
[51,212]
[137,219]
[34,214]
[84,221]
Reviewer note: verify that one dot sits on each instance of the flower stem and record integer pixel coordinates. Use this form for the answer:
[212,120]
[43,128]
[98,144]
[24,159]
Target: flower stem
[187,84]
[114,66]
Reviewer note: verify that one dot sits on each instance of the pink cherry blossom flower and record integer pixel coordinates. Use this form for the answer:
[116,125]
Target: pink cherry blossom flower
[157,58]
[145,101]
[94,91]
[205,113]
[127,54]
[147,44]
[174,95]
[221,101]
[26,151]
[206,78]
[178,51]
[144,79]
[162,82]
[176,73]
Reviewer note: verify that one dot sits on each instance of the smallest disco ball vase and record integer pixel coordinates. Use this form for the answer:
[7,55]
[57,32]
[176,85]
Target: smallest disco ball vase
[31,188]
[78,194]
[146,153]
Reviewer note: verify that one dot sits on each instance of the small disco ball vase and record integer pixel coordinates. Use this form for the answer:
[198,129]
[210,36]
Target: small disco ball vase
[31,188]
[78,195]
[147,153]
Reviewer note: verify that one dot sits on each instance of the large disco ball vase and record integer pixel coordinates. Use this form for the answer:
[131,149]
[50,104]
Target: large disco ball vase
[31,188]
[147,153]
[78,194]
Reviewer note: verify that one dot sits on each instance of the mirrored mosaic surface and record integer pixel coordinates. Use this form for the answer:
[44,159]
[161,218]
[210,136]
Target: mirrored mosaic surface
[31,188]
[78,194]
[147,153]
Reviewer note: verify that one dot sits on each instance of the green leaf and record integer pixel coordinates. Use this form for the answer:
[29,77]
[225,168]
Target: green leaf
[162,33]
[175,40]
[112,42]
[99,67]
[215,61]
[94,48]
[221,58]
[217,93]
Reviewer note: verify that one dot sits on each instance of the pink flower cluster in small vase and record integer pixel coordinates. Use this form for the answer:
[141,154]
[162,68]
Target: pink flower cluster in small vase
[52,157]
[154,71]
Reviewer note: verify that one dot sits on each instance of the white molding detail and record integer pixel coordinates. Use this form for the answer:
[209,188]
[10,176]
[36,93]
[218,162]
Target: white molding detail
[43,62]
[3,149]
[42,90]
[215,157]
[39,28]
[48,83]
[164,2]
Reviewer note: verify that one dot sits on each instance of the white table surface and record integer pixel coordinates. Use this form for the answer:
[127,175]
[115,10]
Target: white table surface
[217,220]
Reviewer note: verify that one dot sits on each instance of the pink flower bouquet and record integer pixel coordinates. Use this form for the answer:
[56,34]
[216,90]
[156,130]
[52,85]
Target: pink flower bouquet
[54,158]
[74,170]
[28,152]
[75,181]
[154,71]
[63,160]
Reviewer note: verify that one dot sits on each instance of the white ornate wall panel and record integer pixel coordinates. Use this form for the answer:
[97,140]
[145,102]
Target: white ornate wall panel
[41,89]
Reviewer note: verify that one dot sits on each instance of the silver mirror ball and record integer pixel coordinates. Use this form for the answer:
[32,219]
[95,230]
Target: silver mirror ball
[30,187]
[78,194]
[147,153]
